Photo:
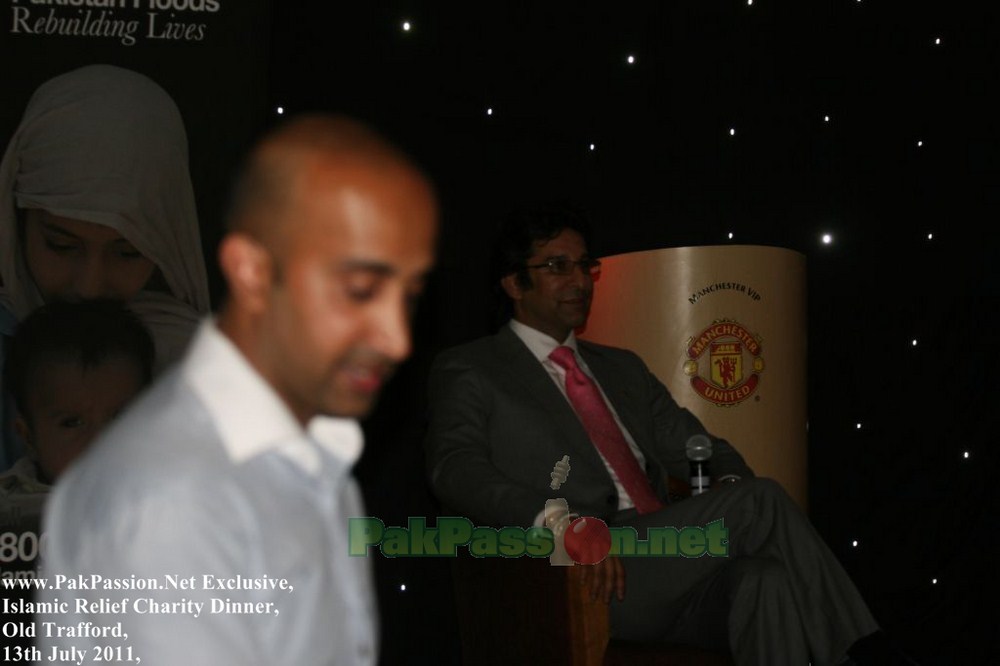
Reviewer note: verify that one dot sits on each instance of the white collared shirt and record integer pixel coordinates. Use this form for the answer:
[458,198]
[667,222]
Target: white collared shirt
[250,416]
[541,346]
[208,475]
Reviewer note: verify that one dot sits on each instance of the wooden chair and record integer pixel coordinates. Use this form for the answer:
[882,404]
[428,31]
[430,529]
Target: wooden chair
[525,611]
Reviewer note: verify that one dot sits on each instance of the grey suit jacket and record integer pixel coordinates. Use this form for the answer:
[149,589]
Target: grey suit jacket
[498,424]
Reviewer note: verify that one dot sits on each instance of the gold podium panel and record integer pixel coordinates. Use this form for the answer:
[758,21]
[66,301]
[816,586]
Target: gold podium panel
[724,328]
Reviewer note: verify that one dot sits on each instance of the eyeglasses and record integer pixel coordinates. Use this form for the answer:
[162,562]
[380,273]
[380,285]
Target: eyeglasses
[563,266]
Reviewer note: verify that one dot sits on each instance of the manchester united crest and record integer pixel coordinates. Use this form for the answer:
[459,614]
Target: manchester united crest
[724,363]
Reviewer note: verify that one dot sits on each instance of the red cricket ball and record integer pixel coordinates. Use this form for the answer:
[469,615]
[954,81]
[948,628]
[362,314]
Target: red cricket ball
[587,540]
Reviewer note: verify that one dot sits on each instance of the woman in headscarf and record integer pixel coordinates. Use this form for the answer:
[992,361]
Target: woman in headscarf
[96,202]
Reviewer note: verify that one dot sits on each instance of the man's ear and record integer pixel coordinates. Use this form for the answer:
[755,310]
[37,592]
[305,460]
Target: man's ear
[248,269]
[511,287]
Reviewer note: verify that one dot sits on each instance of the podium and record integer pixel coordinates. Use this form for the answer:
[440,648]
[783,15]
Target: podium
[724,328]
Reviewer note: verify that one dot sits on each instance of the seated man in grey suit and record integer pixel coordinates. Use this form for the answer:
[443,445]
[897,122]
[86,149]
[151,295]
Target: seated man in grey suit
[505,408]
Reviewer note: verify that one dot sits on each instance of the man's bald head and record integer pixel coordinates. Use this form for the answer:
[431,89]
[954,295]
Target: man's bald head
[284,162]
[331,237]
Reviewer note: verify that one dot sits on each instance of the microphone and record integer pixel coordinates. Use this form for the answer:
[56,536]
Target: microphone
[699,451]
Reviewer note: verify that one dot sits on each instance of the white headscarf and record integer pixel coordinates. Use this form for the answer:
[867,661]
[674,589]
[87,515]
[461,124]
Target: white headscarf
[107,145]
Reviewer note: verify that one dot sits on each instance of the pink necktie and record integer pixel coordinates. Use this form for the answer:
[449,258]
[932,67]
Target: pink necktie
[604,432]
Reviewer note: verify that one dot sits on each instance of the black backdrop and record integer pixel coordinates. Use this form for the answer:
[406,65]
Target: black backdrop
[909,150]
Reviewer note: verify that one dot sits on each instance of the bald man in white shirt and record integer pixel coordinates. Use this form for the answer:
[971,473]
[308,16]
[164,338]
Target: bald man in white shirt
[228,485]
